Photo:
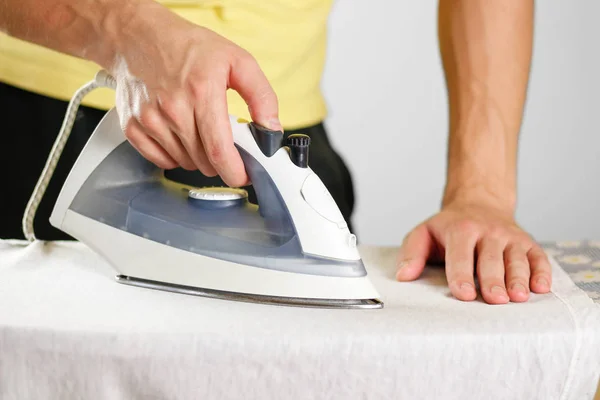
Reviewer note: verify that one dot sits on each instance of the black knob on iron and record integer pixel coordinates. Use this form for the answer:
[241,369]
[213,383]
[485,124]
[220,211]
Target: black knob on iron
[298,145]
[269,141]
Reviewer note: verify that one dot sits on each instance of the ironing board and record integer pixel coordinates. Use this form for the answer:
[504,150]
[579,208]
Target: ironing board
[68,331]
[581,261]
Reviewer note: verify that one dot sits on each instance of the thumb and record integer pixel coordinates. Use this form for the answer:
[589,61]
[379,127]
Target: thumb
[414,254]
[248,79]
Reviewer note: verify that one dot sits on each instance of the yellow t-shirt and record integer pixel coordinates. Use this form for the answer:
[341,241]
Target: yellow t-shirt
[287,37]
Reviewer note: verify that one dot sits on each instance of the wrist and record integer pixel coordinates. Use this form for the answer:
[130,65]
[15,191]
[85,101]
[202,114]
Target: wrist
[482,168]
[114,24]
[490,193]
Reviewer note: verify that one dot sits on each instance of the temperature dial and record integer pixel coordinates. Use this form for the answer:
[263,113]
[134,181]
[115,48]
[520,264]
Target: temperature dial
[217,197]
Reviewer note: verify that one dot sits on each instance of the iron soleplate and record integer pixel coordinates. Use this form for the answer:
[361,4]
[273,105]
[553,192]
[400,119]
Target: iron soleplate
[252,298]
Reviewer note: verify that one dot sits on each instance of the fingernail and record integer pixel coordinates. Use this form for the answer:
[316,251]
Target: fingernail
[517,287]
[275,125]
[543,282]
[401,268]
[467,286]
[498,290]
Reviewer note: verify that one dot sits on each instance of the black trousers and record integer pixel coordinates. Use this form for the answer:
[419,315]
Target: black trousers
[29,124]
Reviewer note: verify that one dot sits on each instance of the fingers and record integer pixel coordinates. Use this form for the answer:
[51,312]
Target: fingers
[414,254]
[509,264]
[188,124]
[196,133]
[212,121]
[250,82]
[541,271]
[147,146]
[510,271]
[490,270]
[178,111]
[156,127]
[460,250]
[517,272]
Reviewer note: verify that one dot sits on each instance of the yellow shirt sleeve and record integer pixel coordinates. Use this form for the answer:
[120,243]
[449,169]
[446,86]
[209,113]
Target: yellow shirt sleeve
[287,37]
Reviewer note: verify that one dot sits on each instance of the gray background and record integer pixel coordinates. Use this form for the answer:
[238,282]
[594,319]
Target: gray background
[387,101]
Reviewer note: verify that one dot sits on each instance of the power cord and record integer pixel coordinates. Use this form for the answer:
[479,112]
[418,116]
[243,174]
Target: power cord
[102,79]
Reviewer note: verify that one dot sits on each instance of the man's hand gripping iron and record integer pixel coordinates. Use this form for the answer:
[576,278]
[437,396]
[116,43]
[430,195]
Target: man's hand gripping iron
[292,248]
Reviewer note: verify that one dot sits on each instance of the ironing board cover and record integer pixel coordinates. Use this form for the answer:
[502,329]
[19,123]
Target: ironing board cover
[68,331]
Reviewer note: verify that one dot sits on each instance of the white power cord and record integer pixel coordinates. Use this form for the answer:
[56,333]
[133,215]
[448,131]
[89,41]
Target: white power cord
[102,79]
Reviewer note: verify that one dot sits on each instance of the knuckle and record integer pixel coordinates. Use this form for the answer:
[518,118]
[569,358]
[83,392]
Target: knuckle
[464,227]
[149,118]
[516,252]
[496,233]
[169,108]
[190,138]
[130,133]
[456,267]
[216,153]
[455,278]
[200,89]
[205,168]
[173,110]
[521,241]
[266,94]
[517,248]
[177,158]
[188,165]
[245,58]
[537,253]
[537,275]
[208,172]
[516,265]
[542,273]
[167,164]
[489,257]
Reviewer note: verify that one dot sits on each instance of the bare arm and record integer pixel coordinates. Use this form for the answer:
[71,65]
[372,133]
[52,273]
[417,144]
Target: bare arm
[180,70]
[81,28]
[486,51]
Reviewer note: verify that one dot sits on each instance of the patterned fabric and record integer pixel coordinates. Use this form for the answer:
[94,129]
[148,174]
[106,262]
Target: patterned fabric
[581,260]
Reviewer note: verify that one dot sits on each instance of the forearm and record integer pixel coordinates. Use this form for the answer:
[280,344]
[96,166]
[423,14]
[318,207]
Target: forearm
[87,29]
[486,52]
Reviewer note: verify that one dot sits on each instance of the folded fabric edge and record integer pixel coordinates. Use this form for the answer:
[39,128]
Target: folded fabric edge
[584,371]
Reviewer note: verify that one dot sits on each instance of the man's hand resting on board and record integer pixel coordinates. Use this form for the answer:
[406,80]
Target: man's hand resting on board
[479,239]
[486,51]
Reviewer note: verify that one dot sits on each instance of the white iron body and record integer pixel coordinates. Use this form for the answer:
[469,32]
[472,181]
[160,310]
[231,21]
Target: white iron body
[147,259]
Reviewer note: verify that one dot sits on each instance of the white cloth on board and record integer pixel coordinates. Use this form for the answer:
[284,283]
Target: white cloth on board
[69,331]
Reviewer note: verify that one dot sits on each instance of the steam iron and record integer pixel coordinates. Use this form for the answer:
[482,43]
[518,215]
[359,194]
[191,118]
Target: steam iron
[292,248]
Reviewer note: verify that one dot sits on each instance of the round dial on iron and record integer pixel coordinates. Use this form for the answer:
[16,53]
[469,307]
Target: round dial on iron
[217,197]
